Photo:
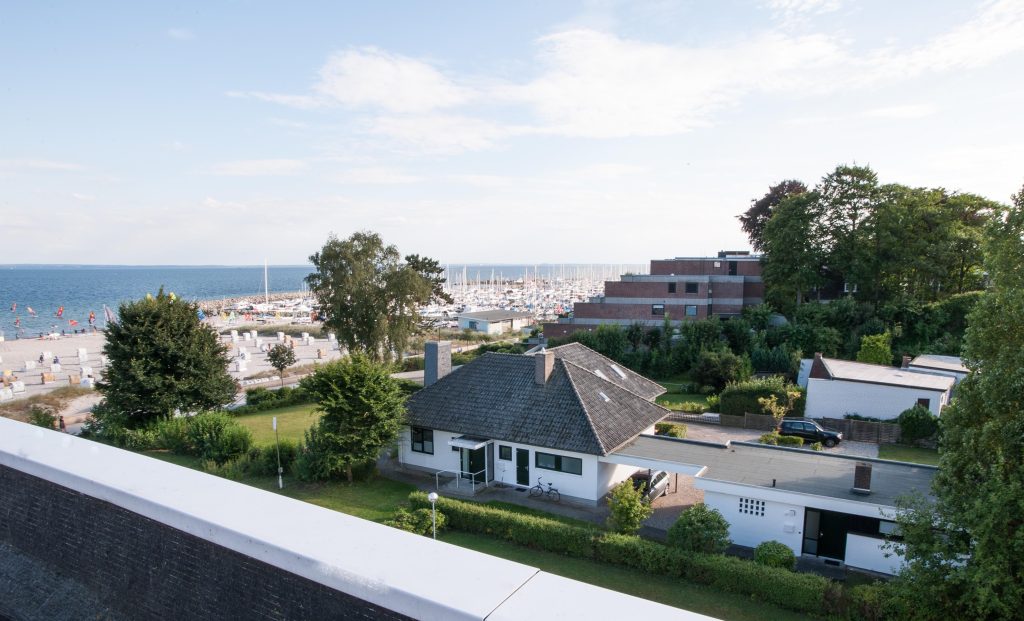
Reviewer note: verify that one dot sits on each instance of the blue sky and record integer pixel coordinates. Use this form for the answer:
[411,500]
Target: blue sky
[532,132]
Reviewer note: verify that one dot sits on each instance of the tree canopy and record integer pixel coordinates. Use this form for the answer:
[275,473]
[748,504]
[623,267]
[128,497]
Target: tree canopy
[370,296]
[162,359]
[761,210]
[966,550]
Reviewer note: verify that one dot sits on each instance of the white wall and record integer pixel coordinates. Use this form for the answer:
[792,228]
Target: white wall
[444,458]
[867,553]
[781,522]
[836,398]
[610,475]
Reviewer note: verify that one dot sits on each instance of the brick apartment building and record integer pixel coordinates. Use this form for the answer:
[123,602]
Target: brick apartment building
[684,288]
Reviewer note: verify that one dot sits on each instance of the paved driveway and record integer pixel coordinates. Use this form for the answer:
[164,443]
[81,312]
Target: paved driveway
[721,435]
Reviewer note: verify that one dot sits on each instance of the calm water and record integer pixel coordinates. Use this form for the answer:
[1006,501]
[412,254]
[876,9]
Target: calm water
[80,289]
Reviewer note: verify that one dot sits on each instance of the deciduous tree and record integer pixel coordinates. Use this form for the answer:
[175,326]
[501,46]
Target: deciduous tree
[761,210]
[281,357]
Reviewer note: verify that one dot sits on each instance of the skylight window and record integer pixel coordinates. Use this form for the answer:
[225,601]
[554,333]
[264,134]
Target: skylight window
[604,396]
[598,373]
[618,371]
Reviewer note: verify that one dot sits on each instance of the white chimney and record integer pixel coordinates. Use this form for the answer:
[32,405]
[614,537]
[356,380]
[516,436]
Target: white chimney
[437,361]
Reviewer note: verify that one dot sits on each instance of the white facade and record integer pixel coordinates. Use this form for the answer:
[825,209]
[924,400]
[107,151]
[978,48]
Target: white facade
[596,480]
[758,514]
[494,327]
[834,398]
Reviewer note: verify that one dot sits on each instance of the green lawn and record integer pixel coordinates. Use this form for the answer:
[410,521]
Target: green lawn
[292,421]
[912,454]
[670,399]
[669,591]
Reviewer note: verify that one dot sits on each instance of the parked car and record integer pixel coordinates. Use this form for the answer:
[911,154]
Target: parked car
[810,431]
[655,482]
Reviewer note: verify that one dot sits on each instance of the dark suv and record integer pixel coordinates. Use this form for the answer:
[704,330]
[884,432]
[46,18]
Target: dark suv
[810,431]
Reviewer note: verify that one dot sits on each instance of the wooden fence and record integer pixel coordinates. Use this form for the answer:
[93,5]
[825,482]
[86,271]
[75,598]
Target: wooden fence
[863,430]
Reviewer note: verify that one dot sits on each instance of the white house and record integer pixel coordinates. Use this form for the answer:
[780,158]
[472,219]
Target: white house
[835,507]
[950,366]
[839,387]
[515,419]
[495,321]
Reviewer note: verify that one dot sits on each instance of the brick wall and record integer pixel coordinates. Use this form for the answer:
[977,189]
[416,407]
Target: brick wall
[146,570]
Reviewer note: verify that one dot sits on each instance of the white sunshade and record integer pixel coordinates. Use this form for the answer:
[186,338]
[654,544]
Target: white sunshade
[468,442]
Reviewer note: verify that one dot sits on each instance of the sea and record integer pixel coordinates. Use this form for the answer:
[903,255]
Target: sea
[81,289]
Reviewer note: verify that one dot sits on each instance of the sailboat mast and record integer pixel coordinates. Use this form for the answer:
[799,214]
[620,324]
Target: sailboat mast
[266,284]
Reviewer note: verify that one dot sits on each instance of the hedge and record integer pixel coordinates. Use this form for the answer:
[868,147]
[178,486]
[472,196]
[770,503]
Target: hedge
[794,591]
[740,398]
[260,399]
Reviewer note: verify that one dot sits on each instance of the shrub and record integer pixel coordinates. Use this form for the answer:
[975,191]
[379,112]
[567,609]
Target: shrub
[172,434]
[700,529]
[420,521]
[817,446]
[775,554]
[42,417]
[790,441]
[714,401]
[740,398]
[260,399]
[217,437]
[772,437]
[628,508]
[691,407]
[916,424]
[673,430]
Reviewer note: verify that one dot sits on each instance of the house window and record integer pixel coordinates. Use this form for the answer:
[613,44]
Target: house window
[505,452]
[925,402]
[751,506]
[732,268]
[671,287]
[570,465]
[422,440]
[657,309]
[691,287]
[691,310]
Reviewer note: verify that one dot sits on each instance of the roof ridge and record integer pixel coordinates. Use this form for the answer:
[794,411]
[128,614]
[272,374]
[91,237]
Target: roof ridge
[583,405]
[615,363]
[622,388]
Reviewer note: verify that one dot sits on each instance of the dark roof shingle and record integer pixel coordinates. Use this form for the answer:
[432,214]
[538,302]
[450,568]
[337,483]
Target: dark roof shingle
[587,358]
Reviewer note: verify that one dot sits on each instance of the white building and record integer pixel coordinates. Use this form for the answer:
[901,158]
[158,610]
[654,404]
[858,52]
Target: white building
[514,419]
[950,366]
[495,321]
[839,387]
[835,507]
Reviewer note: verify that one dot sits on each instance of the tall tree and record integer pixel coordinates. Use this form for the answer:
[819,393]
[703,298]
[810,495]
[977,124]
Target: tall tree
[162,359]
[966,550]
[793,255]
[370,295]
[756,217]
[363,409]
[847,199]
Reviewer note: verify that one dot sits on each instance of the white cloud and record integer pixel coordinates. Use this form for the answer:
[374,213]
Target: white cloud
[369,77]
[910,111]
[439,133]
[255,168]
[85,198]
[302,102]
[27,163]
[182,34]
[376,176]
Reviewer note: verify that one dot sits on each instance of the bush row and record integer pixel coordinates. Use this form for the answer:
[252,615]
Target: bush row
[263,399]
[673,430]
[213,436]
[259,460]
[786,589]
[741,398]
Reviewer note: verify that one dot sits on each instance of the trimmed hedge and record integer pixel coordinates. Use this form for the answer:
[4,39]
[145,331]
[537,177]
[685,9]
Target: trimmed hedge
[261,399]
[740,398]
[786,589]
[775,554]
[673,430]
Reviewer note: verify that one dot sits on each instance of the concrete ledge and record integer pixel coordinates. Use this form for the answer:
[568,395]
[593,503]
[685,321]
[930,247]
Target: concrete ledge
[404,573]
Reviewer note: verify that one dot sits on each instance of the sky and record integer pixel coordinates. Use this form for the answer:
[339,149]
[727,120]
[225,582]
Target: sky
[484,132]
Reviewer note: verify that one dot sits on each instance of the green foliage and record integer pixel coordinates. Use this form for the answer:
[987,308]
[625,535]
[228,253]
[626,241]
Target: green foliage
[875,349]
[216,436]
[718,368]
[420,521]
[714,403]
[628,508]
[817,446]
[258,461]
[42,417]
[281,357]
[793,251]
[743,397]
[754,220]
[775,554]
[363,409]
[700,529]
[772,438]
[261,399]
[973,566]
[916,424]
[371,296]
[790,441]
[673,430]
[163,359]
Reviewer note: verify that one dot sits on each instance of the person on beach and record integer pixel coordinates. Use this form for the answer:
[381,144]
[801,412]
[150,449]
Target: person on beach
[63,427]
[40,355]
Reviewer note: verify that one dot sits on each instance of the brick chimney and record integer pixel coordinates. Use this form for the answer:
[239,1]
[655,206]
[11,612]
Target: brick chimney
[437,361]
[544,363]
[906,362]
[862,478]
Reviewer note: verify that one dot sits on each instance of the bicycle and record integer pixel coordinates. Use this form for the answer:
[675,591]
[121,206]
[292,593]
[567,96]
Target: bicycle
[551,492]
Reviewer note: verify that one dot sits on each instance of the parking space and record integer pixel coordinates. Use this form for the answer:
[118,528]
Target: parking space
[721,435]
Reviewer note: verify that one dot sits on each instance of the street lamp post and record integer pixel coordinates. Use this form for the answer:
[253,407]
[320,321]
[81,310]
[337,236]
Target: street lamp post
[432,497]
[277,445]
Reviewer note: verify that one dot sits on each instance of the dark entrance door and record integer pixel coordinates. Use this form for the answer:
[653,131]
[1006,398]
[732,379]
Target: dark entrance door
[825,534]
[473,464]
[522,466]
